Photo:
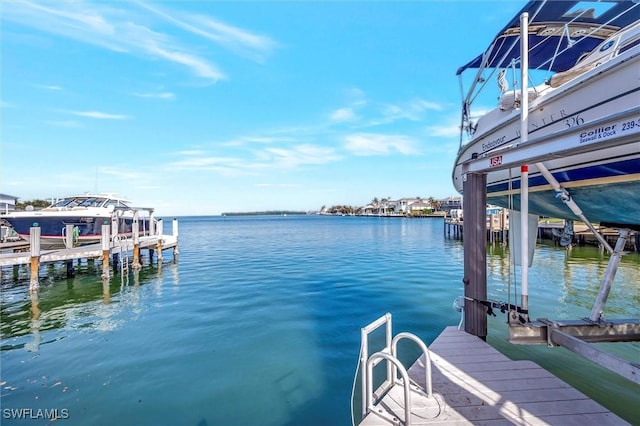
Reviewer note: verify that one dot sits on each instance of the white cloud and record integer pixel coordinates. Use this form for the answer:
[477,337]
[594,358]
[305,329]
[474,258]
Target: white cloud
[101,115]
[413,110]
[298,155]
[444,131]
[119,27]
[369,144]
[158,95]
[49,87]
[233,38]
[277,185]
[267,159]
[343,114]
[71,124]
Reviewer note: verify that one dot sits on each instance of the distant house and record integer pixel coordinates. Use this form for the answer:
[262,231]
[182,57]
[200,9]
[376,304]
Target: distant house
[419,206]
[7,203]
[451,203]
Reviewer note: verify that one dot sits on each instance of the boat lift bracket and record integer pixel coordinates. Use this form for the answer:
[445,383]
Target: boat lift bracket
[576,336]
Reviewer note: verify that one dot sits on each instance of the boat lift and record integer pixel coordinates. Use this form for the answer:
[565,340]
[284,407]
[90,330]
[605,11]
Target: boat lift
[574,335]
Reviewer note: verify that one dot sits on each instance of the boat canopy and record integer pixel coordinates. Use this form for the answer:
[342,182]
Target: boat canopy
[560,32]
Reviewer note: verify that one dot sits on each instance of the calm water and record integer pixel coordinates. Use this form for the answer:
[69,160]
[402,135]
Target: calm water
[258,323]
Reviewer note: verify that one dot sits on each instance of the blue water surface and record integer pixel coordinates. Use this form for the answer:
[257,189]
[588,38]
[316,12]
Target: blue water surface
[256,323]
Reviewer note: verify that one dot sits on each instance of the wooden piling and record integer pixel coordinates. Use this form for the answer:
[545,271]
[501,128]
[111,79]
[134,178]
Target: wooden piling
[106,249]
[159,245]
[176,252]
[136,242]
[475,255]
[34,244]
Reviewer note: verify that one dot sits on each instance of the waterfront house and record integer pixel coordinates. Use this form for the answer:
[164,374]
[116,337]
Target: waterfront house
[7,203]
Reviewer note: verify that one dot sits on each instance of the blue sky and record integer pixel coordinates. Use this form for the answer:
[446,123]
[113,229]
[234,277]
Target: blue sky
[204,107]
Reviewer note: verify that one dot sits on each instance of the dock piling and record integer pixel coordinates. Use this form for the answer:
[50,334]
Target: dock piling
[159,245]
[136,242]
[475,255]
[105,242]
[34,244]
[176,252]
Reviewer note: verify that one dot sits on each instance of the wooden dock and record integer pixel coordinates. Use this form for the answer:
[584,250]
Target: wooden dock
[498,232]
[474,384]
[111,247]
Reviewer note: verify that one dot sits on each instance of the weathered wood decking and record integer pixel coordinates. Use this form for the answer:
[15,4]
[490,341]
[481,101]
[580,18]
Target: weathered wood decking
[474,384]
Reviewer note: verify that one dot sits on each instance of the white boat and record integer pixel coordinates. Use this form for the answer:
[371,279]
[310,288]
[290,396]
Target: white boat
[86,214]
[582,139]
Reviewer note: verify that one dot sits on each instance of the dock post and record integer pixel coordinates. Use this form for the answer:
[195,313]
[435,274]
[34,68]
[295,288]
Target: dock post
[176,251]
[105,240]
[34,244]
[70,269]
[159,246]
[475,254]
[136,242]
[68,235]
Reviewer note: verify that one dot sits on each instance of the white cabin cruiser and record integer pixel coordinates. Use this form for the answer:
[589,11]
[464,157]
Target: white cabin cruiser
[583,133]
[86,213]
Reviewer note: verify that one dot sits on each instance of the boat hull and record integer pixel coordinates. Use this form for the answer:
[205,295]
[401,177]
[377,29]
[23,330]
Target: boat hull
[88,229]
[603,188]
[590,129]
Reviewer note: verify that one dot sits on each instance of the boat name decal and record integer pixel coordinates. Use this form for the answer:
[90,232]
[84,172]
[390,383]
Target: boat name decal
[492,144]
[598,133]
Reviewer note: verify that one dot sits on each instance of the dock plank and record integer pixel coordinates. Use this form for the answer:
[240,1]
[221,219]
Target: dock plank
[474,384]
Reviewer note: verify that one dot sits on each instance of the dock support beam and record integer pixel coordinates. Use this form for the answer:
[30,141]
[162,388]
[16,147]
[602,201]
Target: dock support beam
[475,253]
[159,245]
[136,241]
[34,243]
[106,249]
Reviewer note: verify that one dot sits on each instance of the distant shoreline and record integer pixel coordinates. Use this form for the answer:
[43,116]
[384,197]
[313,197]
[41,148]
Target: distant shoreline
[299,213]
[265,213]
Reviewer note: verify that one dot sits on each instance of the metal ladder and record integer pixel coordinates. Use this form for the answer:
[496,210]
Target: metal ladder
[389,354]
[120,249]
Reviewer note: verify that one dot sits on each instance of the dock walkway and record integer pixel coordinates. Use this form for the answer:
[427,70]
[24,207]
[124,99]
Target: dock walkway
[91,251]
[474,384]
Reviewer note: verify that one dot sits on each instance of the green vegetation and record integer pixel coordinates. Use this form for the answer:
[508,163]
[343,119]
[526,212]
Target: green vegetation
[37,204]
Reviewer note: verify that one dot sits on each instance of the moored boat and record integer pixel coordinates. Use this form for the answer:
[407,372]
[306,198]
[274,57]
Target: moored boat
[582,137]
[86,213]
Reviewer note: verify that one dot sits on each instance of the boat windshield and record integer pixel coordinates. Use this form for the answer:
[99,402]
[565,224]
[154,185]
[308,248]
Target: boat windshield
[115,203]
[67,202]
[72,202]
[92,202]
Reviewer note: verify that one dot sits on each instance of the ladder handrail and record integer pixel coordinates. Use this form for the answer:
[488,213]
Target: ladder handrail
[425,351]
[389,353]
[364,334]
[405,378]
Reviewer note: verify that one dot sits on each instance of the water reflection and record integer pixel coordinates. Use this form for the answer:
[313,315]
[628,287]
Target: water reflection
[36,323]
[564,283]
[84,301]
